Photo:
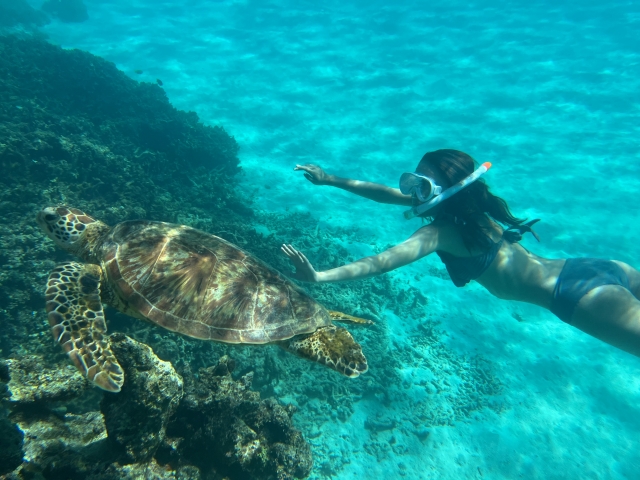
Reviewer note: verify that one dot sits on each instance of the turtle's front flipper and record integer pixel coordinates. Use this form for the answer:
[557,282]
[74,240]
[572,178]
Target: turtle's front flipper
[343,317]
[77,323]
[332,346]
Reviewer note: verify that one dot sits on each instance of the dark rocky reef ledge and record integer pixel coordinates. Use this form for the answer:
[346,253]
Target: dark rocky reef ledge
[161,425]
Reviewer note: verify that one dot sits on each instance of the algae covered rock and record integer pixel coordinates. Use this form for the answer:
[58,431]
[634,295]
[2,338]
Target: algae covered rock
[32,379]
[154,428]
[82,438]
[224,426]
[37,427]
[147,471]
[136,417]
[11,452]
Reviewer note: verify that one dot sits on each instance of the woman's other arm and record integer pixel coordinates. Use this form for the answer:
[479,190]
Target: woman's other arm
[420,244]
[372,191]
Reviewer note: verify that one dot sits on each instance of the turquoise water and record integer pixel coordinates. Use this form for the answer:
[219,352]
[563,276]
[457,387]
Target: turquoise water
[546,91]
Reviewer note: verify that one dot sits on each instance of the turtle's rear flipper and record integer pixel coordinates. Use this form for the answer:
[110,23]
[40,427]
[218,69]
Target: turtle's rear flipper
[77,323]
[332,346]
[343,317]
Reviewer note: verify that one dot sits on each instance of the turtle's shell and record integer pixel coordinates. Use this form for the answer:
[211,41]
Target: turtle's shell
[202,286]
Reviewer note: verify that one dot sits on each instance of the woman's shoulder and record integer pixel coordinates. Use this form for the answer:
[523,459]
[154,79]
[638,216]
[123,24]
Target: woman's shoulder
[443,234]
[438,225]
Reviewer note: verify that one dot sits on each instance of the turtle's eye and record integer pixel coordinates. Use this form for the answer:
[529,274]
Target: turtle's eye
[50,217]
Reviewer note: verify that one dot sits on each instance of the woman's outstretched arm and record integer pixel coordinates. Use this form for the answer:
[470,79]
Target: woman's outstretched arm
[373,191]
[420,244]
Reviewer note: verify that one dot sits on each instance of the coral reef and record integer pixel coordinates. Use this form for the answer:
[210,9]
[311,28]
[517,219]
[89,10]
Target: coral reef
[219,427]
[137,417]
[31,379]
[221,423]
[11,452]
[49,433]
[45,404]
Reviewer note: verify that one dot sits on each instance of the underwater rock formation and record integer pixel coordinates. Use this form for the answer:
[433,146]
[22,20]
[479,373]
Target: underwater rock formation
[36,394]
[151,470]
[31,379]
[82,438]
[136,418]
[11,452]
[218,427]
[70,11]
[221,424]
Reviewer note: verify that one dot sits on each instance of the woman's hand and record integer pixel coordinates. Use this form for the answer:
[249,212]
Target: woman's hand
[304,270]
[314,174]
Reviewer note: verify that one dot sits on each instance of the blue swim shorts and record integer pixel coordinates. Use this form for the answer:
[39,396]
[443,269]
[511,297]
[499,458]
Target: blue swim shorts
[578,277]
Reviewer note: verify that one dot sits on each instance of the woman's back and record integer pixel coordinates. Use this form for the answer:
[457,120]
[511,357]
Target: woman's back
[514,273]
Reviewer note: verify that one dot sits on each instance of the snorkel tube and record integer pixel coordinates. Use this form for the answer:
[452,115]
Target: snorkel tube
[423,207]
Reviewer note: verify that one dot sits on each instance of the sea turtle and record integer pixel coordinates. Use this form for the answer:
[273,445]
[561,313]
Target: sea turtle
[186,281]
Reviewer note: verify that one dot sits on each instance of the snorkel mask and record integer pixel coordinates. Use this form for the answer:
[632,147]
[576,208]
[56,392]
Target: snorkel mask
[428,194]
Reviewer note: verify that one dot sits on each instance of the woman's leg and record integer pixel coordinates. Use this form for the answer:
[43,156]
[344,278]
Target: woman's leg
[610,313]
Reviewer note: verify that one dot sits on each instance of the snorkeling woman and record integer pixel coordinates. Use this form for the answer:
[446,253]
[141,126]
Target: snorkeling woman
[476,237]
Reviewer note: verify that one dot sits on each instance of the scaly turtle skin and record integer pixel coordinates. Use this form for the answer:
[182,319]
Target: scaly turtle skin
[186,281]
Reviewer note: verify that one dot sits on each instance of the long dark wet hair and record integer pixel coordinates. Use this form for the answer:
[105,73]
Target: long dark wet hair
[470,205]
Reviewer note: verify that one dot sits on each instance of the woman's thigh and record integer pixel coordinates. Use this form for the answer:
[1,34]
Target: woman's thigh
[610,313]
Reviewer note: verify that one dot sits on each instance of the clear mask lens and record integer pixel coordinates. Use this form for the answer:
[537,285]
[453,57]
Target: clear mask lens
[419,186]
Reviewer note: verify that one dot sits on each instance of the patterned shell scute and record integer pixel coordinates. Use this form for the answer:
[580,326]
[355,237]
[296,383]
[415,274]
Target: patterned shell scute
[202,286]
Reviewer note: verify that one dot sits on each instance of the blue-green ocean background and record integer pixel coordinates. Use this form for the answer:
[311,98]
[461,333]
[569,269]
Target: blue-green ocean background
[545,90]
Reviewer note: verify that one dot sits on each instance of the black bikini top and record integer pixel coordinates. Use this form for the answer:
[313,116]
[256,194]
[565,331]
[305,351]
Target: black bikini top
[464,269]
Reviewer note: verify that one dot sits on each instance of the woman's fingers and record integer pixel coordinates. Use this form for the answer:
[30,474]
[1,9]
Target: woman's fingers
[303,258]
[313,173]
[291,252]
[308,172]
[288,250]
[296,256]
[304,271]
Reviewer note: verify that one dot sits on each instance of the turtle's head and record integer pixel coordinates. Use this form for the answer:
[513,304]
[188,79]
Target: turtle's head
[71,229]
